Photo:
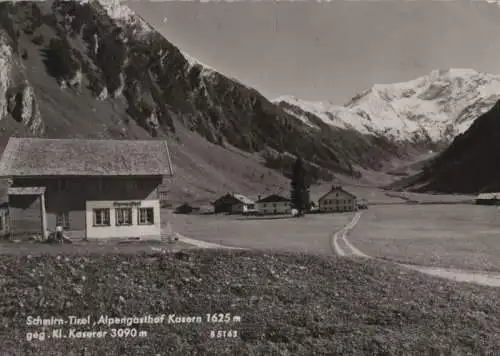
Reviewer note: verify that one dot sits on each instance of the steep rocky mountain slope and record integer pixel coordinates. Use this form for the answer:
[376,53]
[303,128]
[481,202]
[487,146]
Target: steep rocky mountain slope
[95,69]
[429,110]
[469,165]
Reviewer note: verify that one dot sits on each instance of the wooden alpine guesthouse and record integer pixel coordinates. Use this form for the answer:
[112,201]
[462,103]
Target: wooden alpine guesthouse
[93,188]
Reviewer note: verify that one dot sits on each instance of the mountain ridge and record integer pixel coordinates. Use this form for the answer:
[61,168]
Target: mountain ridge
[73,71]
[433,108]
[467,166]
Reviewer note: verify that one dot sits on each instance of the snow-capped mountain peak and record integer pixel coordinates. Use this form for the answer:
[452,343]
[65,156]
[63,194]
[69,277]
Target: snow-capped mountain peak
[122,14]
[434,107]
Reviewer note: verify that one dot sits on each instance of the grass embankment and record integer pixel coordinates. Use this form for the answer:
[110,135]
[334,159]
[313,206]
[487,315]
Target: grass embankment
[288,304]
[455,236]
[91,247]
[308,234]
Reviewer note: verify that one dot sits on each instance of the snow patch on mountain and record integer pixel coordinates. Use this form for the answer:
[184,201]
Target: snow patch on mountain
[206,70]
[6,56]
[123,15]
[30,113]
[17,97]
[302,118]
[193,62]
[435,107]
[128,18]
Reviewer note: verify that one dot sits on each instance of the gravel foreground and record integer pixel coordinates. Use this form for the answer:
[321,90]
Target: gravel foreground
[289,304]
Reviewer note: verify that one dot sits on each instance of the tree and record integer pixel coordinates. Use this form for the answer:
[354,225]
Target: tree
[59,60]
[299,194]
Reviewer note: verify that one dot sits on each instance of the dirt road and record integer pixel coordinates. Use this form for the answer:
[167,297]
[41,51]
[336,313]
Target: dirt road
[342,247]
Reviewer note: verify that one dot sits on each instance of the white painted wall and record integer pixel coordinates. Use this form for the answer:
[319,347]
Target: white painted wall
[113,231]
[241,208]
[337,201]
[273,207]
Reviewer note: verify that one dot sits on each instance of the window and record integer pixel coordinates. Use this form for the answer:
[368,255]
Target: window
[162,195]
[146,216]
[123,216]
[101,217]
[62,219]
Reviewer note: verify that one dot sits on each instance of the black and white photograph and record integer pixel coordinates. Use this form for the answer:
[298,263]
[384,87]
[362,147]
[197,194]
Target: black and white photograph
[249,177]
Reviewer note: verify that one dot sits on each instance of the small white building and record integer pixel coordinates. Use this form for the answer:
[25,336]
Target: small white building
[273,204]
[338,200]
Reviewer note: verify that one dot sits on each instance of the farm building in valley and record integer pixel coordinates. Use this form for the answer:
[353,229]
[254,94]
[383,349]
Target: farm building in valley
[273,204]
[234,204]
[488,199]
[93,188]
[187,208]
[338,200]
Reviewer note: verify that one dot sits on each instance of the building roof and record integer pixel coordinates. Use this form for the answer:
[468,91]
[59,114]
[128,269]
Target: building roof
[243,199]
[26,190]
[336,188]
[487,196]
[72,157]
[273,198]
[232,198]
[223,199]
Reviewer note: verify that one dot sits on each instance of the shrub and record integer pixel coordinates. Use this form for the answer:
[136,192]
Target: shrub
[110,58]
[9,26]
[59,61]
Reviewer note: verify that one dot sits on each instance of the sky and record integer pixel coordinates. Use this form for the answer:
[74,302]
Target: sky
[330,51]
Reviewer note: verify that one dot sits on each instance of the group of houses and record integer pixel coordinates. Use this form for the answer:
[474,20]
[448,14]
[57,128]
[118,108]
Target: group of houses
[337,199]
[91,188]
[108,189]
[240,204]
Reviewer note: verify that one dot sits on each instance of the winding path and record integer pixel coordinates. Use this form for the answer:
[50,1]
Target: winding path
[342,247]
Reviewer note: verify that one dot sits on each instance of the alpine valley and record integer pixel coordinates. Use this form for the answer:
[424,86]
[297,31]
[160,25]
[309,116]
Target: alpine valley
[96,69]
